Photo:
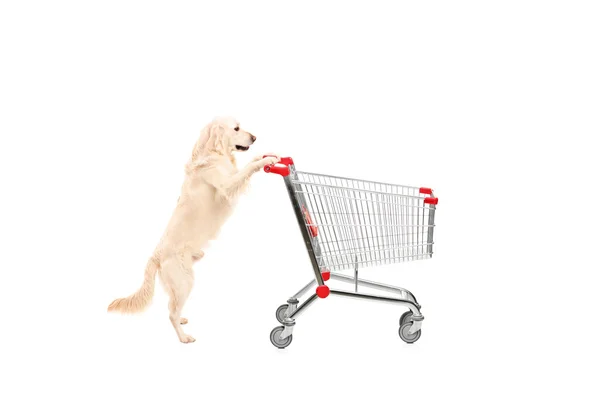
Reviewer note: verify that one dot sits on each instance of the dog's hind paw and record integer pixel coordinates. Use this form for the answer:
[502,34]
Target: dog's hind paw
[187,339]
[183,321]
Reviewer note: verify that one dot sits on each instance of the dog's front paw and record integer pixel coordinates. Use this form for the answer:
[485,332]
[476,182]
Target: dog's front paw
[271,160]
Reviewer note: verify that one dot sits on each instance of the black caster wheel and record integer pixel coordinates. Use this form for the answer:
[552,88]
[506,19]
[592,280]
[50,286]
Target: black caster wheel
[280,313]
[406,317]
[277,341]
[405,335]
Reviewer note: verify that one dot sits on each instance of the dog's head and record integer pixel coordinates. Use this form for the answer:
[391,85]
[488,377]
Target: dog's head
[223,135]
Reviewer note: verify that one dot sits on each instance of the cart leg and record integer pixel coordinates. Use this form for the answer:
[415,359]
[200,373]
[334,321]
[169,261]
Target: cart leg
[293,301]
[288,328]
[290,321]
[292,306]
[293,309]
[304,289]
[416,324]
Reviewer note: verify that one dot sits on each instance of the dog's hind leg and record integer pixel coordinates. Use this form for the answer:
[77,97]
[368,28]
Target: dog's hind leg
[195,257]
[178,278]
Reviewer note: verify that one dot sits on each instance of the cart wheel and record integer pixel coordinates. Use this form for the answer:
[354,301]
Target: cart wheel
[408,337]
[277,341]
[280,313]
[406,317]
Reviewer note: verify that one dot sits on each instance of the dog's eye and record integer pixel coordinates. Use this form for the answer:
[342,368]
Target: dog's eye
[237,128]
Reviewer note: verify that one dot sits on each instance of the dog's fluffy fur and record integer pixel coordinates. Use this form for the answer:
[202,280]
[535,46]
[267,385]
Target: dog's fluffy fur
[210,190]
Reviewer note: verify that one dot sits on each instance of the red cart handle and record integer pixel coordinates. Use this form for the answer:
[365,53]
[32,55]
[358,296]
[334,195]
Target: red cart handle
[282,170]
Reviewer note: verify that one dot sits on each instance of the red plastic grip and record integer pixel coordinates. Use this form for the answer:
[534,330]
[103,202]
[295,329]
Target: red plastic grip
[282,170]
[326,275]
[322,291]
[431,200]
[278,169]
[425,191]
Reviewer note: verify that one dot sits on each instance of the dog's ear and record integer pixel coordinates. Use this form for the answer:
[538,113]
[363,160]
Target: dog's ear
[212,139]
[216,140]
[201,143]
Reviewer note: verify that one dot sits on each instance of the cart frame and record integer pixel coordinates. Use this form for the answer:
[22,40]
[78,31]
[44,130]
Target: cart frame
[410,322]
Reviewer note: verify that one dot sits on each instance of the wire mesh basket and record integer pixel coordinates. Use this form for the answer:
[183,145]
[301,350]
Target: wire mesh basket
[356,222]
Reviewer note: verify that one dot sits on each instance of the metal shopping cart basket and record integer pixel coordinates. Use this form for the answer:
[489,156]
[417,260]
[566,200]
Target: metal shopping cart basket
[348,224]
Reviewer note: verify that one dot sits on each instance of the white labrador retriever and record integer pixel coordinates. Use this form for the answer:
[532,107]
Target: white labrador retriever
[210,190]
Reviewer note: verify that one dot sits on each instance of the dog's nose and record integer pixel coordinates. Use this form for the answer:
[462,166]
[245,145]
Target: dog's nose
[253,138]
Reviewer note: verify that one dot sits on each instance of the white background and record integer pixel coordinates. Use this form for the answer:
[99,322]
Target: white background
[493,104]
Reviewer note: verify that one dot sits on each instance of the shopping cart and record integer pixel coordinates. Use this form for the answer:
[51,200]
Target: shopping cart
[348,224]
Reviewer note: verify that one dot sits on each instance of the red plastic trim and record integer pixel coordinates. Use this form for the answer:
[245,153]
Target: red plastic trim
[326,275]
[322,291]
[425,191]
[314,230]
[431,200]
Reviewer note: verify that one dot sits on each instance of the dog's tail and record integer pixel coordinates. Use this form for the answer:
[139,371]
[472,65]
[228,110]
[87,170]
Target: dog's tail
[138,301]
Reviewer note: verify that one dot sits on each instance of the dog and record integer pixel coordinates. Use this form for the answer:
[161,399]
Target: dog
[211,188]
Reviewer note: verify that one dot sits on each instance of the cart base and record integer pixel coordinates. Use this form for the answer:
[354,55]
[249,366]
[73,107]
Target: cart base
[410,322]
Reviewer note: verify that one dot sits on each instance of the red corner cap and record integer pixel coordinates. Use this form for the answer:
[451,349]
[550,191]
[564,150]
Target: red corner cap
[326,275]
[425,191]
[431,200]
[322,291]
